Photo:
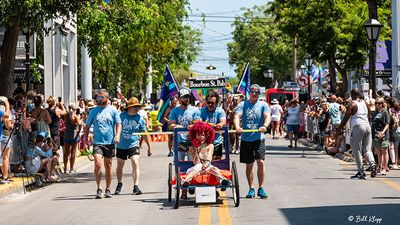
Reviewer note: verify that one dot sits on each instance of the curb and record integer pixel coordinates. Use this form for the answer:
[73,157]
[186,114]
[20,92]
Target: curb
[30,182]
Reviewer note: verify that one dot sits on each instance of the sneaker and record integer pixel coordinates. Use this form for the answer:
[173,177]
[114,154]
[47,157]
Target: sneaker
[136,190]
[290,146]
[170,154]
[191,191]
[107,194]
[225,183]
[251,193]
[261,193]
[359,176]
[99,194]
[119,188]
[373,170]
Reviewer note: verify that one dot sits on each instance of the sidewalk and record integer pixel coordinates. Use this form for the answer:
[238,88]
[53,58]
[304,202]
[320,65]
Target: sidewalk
[17,187]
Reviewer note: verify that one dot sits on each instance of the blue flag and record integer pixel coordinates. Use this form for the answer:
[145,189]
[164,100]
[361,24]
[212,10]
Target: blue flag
[169,89]
[244,84]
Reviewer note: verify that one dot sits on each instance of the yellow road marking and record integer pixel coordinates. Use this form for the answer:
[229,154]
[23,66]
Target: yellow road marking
[390,183]
[223,211]
[205,215]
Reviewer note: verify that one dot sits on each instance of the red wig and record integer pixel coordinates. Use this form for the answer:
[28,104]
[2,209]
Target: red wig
[201,127]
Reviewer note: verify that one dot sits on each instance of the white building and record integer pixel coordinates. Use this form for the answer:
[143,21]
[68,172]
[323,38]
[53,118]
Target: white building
[61,61]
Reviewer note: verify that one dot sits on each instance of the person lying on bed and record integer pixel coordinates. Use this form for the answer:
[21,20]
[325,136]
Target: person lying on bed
[202,136]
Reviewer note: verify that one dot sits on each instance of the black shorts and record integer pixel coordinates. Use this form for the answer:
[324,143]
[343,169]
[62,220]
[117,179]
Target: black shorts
[127,153]
[218,150]
[165,127]
[107,151]
[251,151]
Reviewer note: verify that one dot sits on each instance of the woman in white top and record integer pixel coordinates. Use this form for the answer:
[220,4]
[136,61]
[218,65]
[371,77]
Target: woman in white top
[276,115]
[293,122]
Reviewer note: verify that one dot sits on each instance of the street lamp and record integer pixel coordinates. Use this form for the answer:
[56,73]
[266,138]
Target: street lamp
[309,62]
[25,31]
[373,28]
[302,69]
[268,74]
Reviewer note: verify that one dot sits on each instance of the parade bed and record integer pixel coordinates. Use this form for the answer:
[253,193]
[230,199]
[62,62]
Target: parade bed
[204,181]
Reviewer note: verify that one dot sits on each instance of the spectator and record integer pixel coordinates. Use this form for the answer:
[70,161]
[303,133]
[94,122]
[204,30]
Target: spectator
[380,134]
[165,127]
[41,156]
[323,124]
[6,120]
[293,122]
[394,138]
[56,111]
[71,137]
[276,115]
[233,137]
[334,112]
[41,116]
[335,144]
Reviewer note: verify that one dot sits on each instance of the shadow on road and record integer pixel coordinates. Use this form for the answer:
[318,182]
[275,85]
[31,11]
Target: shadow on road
[351,214]
[78,178]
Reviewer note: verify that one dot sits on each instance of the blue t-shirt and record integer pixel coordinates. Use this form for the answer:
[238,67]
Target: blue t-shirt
[131,124]
[334,112]
[184,118]
[215,118]
[104,121]
[1,124]
[252,119]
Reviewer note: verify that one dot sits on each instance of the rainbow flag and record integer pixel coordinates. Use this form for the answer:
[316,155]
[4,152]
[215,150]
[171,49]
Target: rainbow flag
[169,89]
[244,84]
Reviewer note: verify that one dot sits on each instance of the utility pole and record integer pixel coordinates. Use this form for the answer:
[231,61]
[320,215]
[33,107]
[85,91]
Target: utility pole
[86,74]
[294,60]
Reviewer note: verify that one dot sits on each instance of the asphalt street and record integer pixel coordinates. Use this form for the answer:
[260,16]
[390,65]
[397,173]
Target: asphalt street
[311,190]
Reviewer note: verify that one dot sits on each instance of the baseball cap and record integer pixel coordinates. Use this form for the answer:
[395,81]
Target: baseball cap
[184,92]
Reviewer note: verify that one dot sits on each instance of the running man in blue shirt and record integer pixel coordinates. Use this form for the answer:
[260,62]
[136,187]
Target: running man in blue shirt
[106,134]
[254,114]
[216,117]
[128,147]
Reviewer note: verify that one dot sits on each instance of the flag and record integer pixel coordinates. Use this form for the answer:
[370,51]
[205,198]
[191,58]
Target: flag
[244,84]
[169,89]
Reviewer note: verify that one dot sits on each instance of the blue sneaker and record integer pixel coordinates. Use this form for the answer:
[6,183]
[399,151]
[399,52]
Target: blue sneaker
[261,193]
[251,193]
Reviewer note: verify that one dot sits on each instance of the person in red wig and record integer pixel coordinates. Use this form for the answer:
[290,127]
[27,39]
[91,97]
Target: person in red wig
[202,136]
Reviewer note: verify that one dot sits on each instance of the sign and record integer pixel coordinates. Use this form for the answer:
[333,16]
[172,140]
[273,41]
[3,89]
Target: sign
[302,81]
[207,82]
[290,86]
[379,73]
[20,51]
[205,195]
[19,75]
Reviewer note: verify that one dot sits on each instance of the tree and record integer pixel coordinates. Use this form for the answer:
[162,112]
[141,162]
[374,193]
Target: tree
[124,35]
[31,14]
[329,30]
[258,40]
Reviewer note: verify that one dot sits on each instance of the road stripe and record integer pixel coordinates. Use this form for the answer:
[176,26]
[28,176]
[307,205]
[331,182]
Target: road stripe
[205,214]
[390,183]
[223,211]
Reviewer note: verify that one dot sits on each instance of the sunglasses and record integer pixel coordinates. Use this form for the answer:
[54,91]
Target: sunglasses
[99,97]
[255,92]
[186,96]
[379,103]
[211,103]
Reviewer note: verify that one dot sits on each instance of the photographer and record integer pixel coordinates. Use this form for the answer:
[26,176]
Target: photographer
[56,111]
[5,146]
[41,156]
[41,116]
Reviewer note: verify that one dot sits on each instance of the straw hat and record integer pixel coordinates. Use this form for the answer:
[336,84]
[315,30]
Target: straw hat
[274,101]
[132,102]
[90,104]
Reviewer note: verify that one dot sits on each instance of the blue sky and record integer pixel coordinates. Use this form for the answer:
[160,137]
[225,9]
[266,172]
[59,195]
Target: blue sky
[216,34]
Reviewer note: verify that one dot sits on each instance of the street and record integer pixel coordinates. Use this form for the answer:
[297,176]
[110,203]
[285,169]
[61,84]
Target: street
[315,189]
